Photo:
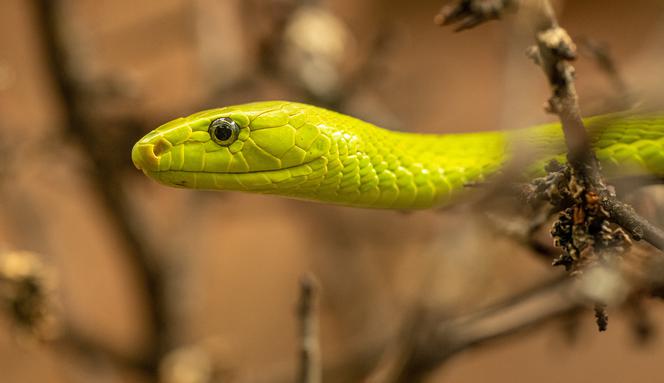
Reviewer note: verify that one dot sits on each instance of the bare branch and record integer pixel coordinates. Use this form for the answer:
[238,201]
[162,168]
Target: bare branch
[606,63]
[310,360]
[468,14]
[554,51]
[637,226]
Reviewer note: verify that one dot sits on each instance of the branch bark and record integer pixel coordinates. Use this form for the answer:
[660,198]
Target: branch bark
[310,359]
[554,51]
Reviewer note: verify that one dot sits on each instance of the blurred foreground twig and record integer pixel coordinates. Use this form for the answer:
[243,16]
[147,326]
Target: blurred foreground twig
[310,359]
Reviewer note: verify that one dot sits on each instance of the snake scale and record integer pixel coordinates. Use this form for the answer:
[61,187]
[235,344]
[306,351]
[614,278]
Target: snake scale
[305,152]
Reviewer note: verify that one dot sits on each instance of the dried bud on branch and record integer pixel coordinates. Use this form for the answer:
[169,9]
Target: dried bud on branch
[27,288]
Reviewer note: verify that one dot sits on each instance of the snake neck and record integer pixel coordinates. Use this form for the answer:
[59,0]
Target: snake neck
[367,166]
[372,167]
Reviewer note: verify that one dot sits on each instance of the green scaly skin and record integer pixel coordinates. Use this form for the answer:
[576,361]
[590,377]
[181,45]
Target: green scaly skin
[301,151]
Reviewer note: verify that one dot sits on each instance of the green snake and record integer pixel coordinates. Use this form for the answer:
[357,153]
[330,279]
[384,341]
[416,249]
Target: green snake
[305,152]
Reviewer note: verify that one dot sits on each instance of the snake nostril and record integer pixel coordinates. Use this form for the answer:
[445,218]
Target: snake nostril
[146,155]
[162,145]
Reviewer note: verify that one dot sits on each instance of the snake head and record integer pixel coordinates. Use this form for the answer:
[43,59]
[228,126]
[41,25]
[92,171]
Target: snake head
[253,147]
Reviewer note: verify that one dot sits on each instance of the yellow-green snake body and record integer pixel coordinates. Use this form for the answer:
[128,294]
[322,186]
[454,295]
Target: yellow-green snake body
[306,152]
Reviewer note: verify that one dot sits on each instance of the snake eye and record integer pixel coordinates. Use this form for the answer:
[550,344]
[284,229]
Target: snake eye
[224,131]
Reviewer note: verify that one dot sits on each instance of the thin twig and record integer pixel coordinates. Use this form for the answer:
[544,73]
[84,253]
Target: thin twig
[606,63]
[638,227]
[471,13]
[310,360]
[555,50]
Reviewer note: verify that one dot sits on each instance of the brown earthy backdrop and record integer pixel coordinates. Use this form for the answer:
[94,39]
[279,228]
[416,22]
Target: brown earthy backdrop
[232,261]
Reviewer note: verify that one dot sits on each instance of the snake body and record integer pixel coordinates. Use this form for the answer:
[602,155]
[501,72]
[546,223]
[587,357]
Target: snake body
[305,152]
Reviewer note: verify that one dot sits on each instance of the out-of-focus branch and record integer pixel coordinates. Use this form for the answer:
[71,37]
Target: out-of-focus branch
[605,62]
[29,297]
[79,123]
[307,314]
[471,13]
[438,339]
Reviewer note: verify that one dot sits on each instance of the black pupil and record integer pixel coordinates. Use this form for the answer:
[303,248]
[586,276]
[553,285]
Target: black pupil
[223,132]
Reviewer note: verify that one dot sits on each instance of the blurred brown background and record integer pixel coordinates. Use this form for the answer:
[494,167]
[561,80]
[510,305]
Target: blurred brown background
[230,263]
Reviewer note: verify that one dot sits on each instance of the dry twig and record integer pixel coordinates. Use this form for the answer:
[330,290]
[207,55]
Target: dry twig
[600,53]
[554,51]
[310,360]
[471,13]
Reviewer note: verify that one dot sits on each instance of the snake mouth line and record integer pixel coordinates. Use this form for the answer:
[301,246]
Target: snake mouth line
[231,173]
[163,175]
[261,181]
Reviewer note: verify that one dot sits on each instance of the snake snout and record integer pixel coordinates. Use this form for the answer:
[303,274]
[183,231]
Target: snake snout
[146,154]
